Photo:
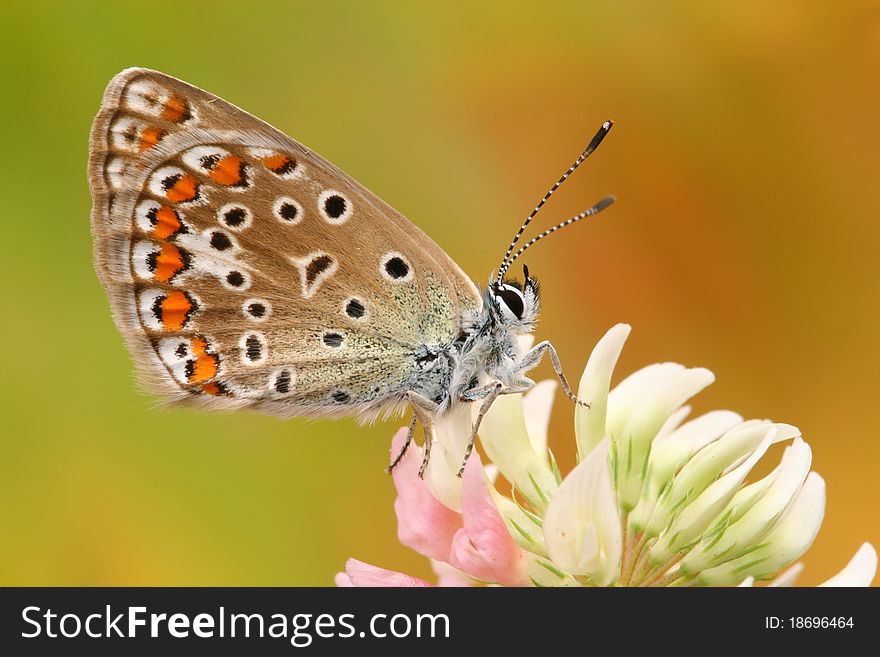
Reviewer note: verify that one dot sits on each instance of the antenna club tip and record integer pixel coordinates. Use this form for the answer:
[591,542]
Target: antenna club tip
[605,202]
[607,125]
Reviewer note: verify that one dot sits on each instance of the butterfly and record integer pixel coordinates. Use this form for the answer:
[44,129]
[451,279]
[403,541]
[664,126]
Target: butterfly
[245,271]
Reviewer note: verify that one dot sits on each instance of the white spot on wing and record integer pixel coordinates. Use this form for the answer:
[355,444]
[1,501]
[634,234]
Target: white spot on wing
[145,97]
[249,355]
[156,186]
[174,352]
[283,205]
[146,302]
[246,309]
[383,263]
[125,133]
[149,98]
[140,258]
[284,378]
[309,288]
[322,201]
[203,158]
[116,170]
[345,303]
[141,215]
[246,221]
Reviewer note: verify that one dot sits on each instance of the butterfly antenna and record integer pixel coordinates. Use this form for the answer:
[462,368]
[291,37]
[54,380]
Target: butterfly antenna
[596,209]
[593,145]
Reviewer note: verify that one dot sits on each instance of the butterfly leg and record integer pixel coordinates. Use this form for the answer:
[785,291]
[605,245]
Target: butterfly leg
[424,409]
[533,357]
[409,437]
[488,394]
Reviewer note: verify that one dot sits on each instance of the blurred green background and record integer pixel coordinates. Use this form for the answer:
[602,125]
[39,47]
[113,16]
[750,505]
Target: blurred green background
[744,158]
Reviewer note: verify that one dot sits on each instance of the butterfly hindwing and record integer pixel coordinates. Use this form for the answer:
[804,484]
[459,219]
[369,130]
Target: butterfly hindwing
[245,270]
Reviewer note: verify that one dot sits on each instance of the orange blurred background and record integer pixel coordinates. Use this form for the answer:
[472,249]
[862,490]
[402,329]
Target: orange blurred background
[745,240]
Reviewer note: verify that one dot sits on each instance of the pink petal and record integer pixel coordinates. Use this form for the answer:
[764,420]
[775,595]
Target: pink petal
[483,548]
[342,580]
[363,574]
[423,524]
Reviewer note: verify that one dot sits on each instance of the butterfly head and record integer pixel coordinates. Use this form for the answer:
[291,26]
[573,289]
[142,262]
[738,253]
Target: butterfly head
[516,305]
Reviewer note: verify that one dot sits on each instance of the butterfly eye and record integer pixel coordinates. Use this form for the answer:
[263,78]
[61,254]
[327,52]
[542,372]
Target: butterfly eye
[511,298]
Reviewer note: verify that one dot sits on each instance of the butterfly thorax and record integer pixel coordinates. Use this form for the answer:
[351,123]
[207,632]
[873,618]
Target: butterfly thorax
[486,349]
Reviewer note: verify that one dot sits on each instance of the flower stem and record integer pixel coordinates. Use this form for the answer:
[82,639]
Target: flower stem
[626,557]
[661,576]
[633,558]
[643,566]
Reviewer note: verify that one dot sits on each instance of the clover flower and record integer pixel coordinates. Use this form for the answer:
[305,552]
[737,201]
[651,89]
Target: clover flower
[654,500]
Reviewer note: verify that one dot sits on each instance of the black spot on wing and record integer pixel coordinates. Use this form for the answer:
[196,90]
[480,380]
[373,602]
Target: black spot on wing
[332,339]
[253,348]
[316,267]
[282,381]
[355,309]
[334,206]
[396,267]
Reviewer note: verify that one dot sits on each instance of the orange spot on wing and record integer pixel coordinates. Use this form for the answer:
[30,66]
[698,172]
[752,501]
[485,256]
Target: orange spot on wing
[185,189]
[149,138]
[212,389]
[227,171]
[175,109]
[176,308]
[169,263]
[167,222]
[277,162]
[205,365]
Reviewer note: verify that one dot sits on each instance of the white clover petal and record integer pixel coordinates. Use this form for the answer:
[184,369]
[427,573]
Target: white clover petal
[672,450]
[703,468]
[747,496]
[589,423]
[648,414]
[655,500]
[542,572]
[672,423]
[784,432]
[788,540]
[627,393]
[449,576]
[787,577]
[860,570]
[504,436]
[537,404]
[696,517]
[451,432]
[524,526]
[758,521]
[582,521]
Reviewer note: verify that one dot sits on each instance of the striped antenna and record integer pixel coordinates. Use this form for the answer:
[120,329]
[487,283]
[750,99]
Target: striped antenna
[593,145]
[596,209]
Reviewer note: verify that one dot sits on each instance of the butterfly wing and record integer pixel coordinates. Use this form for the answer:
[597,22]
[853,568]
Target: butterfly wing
[244,270]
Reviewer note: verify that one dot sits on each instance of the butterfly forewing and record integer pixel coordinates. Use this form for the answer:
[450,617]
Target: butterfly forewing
[245,270]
